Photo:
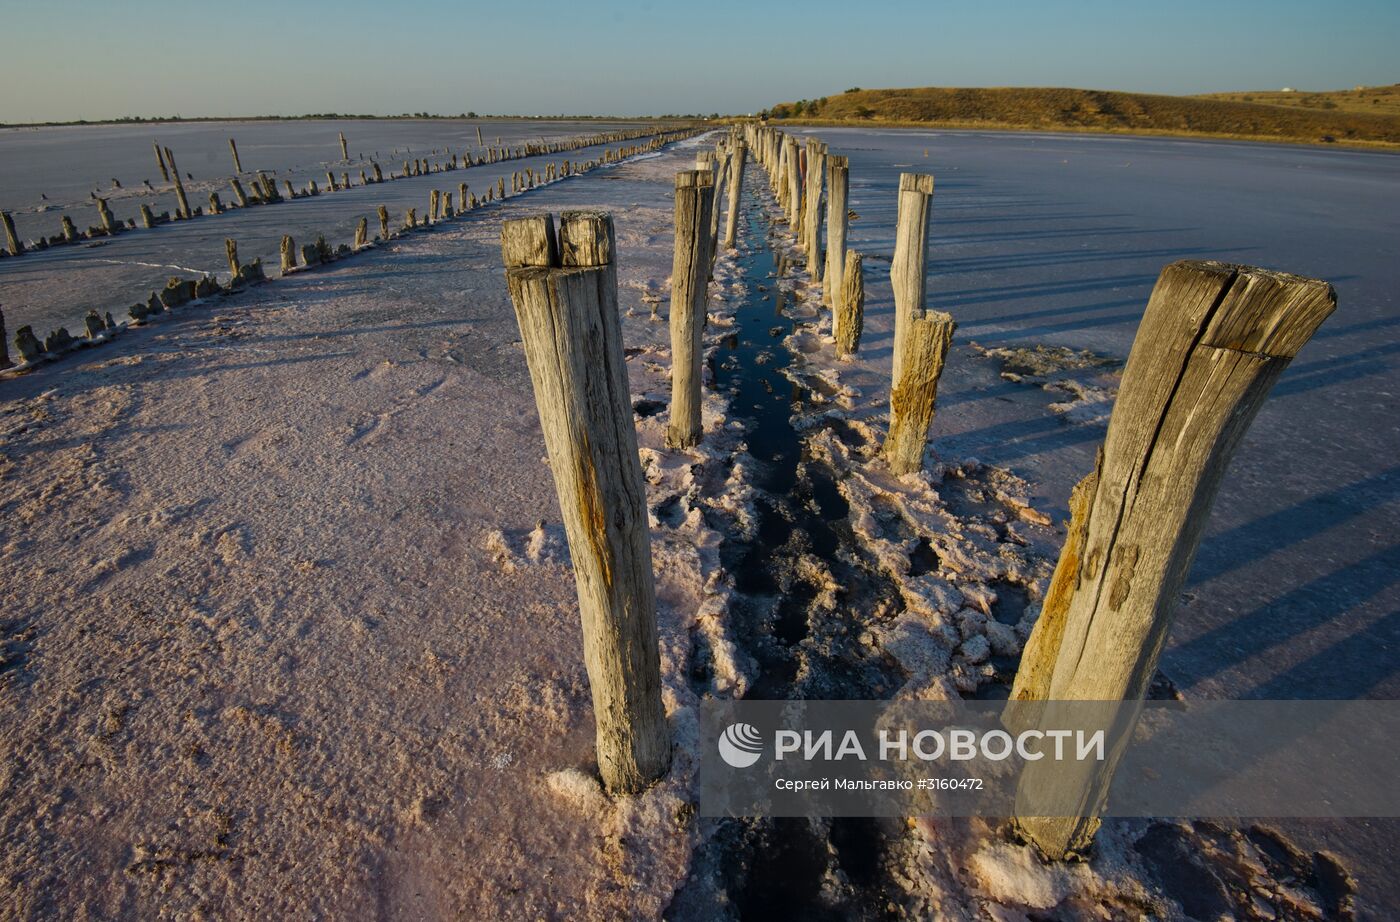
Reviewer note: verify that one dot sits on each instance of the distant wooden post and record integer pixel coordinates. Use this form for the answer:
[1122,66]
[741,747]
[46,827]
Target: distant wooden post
[908,268]
[12,241]
[572,335]
[289,253]
[479,142]
[1211,344]
[344,151]
[837,220]
[233,149]
[160,162]
[383,222]
[231,250]
[848,319]
[690,269]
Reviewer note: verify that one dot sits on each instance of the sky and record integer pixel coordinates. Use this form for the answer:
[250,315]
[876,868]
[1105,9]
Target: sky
[83,59]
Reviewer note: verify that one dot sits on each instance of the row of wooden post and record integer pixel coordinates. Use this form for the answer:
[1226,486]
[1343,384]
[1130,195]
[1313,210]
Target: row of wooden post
[1212,341]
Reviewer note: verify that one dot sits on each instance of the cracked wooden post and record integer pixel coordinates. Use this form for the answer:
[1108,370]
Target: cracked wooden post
[690,269]
[908,268]
[914,390]
[848,319]
[383,222]
[794,187]
[233,149]
[231,250]
[1211,344]
[362,233]
[289,253]
[12,241]
[736,187]
[160,162]
[572,334]
[344,151]
[838,177]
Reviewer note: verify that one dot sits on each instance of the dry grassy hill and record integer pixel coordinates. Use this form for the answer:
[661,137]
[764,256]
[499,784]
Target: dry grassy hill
[1369,100]
[1096,110]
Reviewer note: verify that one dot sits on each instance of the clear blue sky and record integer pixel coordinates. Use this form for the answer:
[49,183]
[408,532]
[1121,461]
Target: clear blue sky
[88,59]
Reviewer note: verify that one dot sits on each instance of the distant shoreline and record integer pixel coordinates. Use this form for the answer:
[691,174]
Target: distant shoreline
[334,117]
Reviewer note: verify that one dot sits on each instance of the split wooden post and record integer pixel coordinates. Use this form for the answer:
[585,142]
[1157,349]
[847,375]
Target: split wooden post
[12,241]
[572,335]
[908,268]
[1211,344]
[289,253]
[838,176]
[344,151]
[690,270]
[736,187]
[848,319]
[233,149]
[914,390]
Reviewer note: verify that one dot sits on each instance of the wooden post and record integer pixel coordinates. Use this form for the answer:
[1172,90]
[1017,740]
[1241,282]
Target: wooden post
[291,191]
[383,222]
[215,205]
[231,250]
[914,390]
[908,267]
[160,162]
[572,335]
[433,198]
[1211,344]
[848,319]
[690,269]
[239,195]
[12,241]
[837,220]
[148,220]
[461,197]
[362,233]
[289,253]
[344,151]
[184,205]
[4,345]
[233,149]
[330,181]
[70,233]
[104,214]
[736,186]
[812,208]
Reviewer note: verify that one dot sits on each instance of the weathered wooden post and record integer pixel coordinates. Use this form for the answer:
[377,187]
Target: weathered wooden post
[837,221]
[432,214]
[362,233]
[160,161]
[289,253]
[736,187]
[233,149]
[812,207]
[330,181]
[184,205]
[344,151]
[848,319]
[12,241]
[914,391]
[4,345]
[794,183]
[148,220]
[215,205]
[690,269]
[70,233]
[479,142]
[383,222]
[1211,344]
[907,269]
[238,194]
[104,214]
[231,250]
[572,335]
[291,190]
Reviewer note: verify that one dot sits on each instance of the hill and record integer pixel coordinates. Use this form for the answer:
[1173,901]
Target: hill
[1095,110]
[1369,100]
